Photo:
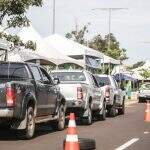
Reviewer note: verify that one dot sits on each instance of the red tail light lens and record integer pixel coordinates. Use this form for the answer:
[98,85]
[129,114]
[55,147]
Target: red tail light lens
[10,97]
[79,93]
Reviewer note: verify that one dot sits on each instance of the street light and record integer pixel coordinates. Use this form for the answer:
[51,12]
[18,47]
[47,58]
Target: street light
[54,12]
[109,24]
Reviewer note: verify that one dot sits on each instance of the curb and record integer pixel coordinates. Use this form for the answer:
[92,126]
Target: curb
[131,102]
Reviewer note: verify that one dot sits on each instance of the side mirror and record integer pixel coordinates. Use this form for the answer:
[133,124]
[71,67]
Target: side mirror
[101,84]
[46,82]
[56,81]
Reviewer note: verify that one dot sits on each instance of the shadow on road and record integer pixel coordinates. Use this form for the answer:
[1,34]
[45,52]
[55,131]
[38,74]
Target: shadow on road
[11,135]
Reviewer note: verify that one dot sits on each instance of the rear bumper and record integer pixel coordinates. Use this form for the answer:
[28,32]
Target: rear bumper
[6,113]
[76,107]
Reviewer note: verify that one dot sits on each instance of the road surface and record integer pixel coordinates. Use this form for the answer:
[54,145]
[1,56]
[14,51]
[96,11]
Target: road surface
[128,132]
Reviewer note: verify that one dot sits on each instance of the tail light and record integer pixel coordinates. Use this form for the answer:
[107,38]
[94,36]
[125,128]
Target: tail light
[10,97]
[79,93]
[107,91]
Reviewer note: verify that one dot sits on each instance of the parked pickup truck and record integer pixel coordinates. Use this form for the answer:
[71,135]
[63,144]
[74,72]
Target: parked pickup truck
[82,93]
[28,96]
[115,97]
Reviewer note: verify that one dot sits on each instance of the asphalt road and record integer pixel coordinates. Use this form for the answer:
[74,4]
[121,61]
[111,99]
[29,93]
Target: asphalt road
[109,134]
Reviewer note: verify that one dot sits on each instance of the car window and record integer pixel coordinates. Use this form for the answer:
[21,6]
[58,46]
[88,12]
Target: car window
[45,76]
[103,80]
[145,86]
[13,71]
[36,73]
[95,81]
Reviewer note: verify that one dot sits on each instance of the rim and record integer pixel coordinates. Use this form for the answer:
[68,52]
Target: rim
[89,115]
[61,118]
[30,123]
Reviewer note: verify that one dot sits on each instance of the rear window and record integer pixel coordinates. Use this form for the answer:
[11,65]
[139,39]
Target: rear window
[69,76]
[13,71]
[145,86]
[104,80]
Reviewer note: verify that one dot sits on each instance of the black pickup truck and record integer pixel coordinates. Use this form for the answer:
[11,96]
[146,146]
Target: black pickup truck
[29,96]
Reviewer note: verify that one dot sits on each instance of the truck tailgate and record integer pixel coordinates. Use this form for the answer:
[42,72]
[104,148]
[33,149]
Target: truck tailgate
[69,90]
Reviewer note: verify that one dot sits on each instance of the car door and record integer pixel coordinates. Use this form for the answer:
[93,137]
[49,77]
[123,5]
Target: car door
[41,92]
[97,93]
[52,92]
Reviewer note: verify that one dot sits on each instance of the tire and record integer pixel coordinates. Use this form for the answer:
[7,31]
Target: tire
[60,123]
[86,144]
[121,111]
[112,111]
[28,133]
[88,120]
[103,115]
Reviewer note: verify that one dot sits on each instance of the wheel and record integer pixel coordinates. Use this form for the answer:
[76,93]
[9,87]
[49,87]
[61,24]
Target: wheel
[112,111]
[86,144]
[103,115]
[88,119]
[121,111]
[28,133]
[60,123]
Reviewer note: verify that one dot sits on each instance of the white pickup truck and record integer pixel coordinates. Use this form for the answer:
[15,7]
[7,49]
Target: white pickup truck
[83,95]
[115,97]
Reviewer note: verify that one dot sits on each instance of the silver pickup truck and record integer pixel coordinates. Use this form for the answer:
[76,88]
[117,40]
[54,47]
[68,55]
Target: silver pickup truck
[83,95]
[115,97]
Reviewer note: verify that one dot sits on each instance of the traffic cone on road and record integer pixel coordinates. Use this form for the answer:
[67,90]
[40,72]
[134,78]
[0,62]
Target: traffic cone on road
[147,112]
[72,142]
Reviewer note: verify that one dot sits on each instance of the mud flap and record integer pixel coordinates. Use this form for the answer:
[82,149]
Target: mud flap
[85,114]
[20,125]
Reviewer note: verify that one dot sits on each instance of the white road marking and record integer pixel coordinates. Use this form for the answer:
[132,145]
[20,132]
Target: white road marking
[146,132]
[127,144]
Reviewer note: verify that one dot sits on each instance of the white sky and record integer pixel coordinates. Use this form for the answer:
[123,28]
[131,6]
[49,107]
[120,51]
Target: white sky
[131,26]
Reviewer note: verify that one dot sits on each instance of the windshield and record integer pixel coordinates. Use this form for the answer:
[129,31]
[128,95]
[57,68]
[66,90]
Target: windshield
[103,80]
[13,71]
[69,76]
[145,86]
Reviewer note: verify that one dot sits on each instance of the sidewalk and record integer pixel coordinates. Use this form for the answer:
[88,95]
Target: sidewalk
[133,99]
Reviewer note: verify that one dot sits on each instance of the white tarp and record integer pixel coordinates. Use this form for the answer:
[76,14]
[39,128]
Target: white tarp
[44,49]
[70,47]
[74,49]
[28,55]
[110,60]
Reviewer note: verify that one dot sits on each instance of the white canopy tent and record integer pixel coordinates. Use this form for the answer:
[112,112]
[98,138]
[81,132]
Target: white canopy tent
[76,50]
[45,50]
[26,55]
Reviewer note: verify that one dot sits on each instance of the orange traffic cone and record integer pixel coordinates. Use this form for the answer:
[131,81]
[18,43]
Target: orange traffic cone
[147,112]
[72,142]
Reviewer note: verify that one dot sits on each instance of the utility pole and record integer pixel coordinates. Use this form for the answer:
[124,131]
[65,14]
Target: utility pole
[109,24]
[54,15]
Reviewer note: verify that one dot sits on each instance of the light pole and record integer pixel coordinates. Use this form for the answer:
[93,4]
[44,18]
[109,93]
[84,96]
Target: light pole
[54,13]
[109,23]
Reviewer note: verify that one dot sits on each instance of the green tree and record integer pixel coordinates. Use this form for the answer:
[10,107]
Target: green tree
[145,73]
[99,43]
[114,50]
[13,12]
[79,35]
[12,15]
[136,65]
